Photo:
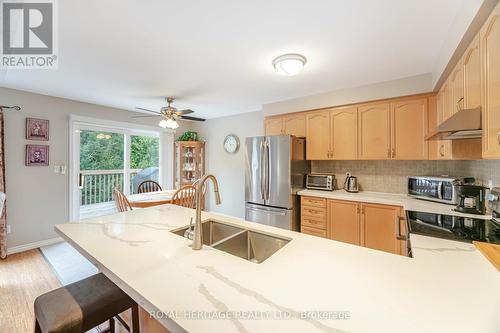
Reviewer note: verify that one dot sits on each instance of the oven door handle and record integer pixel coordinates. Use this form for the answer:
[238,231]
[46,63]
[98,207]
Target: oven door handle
[440,191]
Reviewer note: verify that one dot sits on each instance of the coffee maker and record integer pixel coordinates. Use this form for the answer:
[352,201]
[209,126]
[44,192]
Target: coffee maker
[471,199]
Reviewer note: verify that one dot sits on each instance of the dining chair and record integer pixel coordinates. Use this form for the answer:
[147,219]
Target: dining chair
[148,186]
[121,201]
[185,196]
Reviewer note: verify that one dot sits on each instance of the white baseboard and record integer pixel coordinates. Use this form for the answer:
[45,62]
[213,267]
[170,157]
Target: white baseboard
[35,245]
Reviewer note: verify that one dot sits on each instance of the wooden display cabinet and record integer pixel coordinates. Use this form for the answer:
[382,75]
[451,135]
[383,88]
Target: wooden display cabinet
[189,162]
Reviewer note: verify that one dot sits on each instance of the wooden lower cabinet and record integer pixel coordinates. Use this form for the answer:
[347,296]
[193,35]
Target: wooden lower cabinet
[344,221]
[379,227]
[313,216]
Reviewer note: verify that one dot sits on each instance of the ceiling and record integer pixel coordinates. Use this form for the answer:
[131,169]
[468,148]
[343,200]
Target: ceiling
[215,56]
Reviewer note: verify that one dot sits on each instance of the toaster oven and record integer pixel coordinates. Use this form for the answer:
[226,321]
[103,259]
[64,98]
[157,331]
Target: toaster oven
[325,182]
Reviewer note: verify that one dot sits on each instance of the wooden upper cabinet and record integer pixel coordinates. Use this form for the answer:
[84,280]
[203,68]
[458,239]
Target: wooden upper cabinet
[433,122]
[443,146]
[447,101]
[472,75]
[380,225]
[344,221]
[344,133]
[374,132]
[318,135]
[295,125]
[273,126]
[457,89]
[409,128]
[490,60]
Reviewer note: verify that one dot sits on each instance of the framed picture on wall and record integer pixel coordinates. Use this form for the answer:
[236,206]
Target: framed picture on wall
[37,155]
[37,129]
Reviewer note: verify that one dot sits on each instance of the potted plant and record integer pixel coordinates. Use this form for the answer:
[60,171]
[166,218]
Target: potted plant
[189,136]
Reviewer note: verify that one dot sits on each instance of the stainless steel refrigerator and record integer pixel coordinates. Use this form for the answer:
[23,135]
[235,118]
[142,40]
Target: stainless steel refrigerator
[275,170]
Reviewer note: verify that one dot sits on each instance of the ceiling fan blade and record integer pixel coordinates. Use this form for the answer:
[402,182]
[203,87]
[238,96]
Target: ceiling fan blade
[192,118]
[147,116]
[186,111]
[148,110]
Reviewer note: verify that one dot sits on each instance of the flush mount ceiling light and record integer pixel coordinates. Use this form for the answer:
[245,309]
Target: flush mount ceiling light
[289,64]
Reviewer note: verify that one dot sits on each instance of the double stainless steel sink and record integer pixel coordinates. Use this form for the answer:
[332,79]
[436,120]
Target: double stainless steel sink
[244,243]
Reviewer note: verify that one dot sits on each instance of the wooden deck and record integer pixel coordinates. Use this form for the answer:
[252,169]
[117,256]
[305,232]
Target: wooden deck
[95,210]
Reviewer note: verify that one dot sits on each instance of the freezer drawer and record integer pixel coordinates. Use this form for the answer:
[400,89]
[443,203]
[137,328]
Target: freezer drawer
[276,217]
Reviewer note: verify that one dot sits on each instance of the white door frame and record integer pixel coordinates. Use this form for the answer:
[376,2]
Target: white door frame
[76,123]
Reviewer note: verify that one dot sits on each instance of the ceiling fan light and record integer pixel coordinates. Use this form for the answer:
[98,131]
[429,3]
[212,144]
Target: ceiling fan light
[163,123]
[289,64]
[171,123]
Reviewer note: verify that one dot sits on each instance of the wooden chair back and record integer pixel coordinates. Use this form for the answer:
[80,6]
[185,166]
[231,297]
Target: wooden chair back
[185,197]
[148,186]
[121,201]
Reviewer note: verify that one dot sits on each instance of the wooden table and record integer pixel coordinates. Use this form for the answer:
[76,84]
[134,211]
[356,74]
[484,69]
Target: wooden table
[150,199]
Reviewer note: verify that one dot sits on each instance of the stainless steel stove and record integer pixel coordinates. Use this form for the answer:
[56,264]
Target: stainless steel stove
[459,228]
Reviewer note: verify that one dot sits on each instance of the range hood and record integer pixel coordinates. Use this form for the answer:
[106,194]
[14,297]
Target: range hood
[465,124]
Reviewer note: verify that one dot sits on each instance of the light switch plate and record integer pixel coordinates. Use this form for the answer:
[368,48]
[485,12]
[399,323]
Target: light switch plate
[8,228]
[57,169]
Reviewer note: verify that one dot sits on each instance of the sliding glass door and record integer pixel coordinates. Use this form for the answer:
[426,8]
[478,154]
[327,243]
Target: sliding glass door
[109,159]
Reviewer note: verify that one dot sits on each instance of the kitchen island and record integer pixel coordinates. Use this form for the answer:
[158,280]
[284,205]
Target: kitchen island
[309,285]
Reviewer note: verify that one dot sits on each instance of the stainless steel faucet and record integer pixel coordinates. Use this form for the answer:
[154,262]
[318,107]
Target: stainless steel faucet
[198,236]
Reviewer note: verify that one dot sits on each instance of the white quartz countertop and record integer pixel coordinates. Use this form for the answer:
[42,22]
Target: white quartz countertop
[407,202]
[446,287]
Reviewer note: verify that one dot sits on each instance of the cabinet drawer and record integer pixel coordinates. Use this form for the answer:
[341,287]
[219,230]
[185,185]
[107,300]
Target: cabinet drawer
[315,202]
[313,231]
[314,223]
[313,212]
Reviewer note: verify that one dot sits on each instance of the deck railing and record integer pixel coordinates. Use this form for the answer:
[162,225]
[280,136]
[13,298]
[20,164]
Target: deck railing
[98,185]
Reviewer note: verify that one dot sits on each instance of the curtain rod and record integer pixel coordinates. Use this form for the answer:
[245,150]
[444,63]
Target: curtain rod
[13,107]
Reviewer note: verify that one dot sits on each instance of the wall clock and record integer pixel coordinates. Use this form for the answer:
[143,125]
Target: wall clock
[231,143]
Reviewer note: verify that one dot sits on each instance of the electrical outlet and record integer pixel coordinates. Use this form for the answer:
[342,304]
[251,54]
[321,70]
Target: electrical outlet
[8,228]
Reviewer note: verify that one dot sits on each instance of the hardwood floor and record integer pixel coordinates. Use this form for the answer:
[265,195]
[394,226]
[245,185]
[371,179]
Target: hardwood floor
[23,277]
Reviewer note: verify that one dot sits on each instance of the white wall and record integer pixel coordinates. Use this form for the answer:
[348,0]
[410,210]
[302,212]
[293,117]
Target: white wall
[37,198]
[401,87]
[229,168]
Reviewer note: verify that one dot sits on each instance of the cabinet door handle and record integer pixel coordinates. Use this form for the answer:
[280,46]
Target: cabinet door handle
[398,229]
[393,153]
[458,103]
[498,138]
[441,148]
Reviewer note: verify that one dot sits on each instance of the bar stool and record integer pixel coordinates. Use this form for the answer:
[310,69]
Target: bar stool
[83,305]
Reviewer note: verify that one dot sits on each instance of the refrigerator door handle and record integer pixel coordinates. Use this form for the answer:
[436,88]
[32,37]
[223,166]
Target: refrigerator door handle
[267,211]
[261,169]
[267,188]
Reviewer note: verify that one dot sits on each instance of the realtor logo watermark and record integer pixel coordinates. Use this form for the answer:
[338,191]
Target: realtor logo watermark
[29,34]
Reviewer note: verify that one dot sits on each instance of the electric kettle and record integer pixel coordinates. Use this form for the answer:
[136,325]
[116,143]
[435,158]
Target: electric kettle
[351,183]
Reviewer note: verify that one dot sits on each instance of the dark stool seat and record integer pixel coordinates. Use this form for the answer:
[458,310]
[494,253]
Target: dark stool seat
[81,306]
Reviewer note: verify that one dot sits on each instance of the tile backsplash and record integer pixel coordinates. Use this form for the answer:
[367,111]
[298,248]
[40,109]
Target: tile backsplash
[391,176]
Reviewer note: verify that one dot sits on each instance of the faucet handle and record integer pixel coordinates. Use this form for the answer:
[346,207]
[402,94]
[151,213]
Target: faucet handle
[189,233]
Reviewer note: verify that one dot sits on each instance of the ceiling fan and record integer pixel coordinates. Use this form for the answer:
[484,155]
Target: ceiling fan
[169,115]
